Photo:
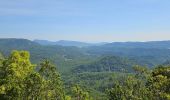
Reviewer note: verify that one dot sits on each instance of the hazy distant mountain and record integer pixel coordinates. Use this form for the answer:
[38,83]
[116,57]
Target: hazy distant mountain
[68,43]
[45,42]
[150,44]
[145,53]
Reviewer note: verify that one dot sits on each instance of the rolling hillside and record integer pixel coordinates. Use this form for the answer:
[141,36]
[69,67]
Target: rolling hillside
[107,64]
[63,57]
[69,57]
[93,67]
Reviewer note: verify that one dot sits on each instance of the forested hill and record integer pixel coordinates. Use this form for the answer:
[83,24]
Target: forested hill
[107,64]
[64,57]
[145,53]
[20,79]
[94,68]
[6,45]
[69,57]
[1,56]
[131,48]
[150,44]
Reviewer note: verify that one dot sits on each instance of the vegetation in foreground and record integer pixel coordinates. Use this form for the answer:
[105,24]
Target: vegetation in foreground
[20,79]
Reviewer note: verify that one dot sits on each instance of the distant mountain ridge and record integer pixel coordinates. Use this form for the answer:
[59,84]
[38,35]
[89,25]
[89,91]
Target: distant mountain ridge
[144,53]
[68,43]
[148,44]
[60,55]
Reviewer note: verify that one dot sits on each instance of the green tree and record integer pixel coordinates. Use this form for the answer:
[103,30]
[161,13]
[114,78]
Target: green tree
[143,85]
[34,87]
[159,83]
[14,71]
[129,89]
[53,84]
[79,94]
[20,81]
[132,87]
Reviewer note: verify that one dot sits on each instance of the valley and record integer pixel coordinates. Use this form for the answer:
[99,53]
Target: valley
[93,67]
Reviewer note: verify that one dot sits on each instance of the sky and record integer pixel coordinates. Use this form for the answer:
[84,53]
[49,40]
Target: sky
[86,20]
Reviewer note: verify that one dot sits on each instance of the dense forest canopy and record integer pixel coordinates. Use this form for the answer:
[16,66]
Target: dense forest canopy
[117,71]
[20,79]
[108,64]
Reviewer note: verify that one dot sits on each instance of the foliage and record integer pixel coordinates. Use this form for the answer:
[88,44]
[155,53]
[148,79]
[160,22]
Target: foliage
[129,89]
[159,83]
[107,63]
[19,80]
[14,71]
[94,68]
[143,85]
[79,94]
[53,83]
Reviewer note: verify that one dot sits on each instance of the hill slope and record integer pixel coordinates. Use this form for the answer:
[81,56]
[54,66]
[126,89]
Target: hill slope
[68,57]
[64,57]
[146,53]
[107,64]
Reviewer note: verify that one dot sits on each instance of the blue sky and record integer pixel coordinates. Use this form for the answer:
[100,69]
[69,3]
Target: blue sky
[86,20]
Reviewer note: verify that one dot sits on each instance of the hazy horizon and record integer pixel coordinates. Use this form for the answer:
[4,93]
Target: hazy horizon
[82,41]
